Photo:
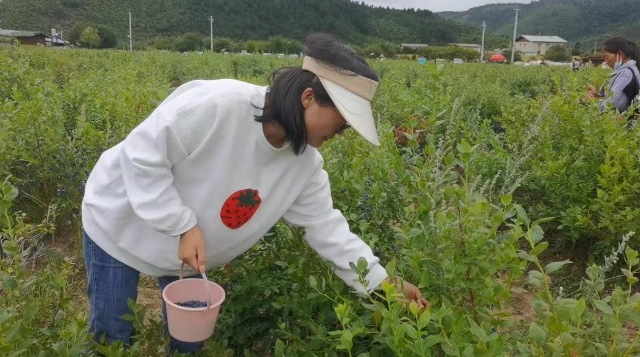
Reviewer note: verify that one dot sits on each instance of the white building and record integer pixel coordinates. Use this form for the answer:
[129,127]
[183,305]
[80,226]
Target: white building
[532,46]
[471,46]
[413,46]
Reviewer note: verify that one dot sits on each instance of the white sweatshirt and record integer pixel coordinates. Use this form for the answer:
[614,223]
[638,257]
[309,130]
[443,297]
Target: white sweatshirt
[181,167]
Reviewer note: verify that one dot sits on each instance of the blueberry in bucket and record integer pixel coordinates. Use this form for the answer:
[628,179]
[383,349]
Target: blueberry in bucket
[193,304]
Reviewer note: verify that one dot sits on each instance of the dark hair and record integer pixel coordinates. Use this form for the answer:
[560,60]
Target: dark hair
[286,85]
[621,44]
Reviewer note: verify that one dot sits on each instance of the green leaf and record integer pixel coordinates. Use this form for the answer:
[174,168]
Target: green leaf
[522,215]
[477,331]
[468,351]
[10,247]
[9,283]
[580,307]
[537,234]
[539,249]
[18,353]
[448,350]
[506,200]
[313,282]
[424,319]
[553,267]
[565,308]
[346,339]
[391,267]
[280,348]
[5,316]
[464,147]
[632,256]
[411,331]
[536,333]
[601,347]
[31,311]
[432,340]
[362,264]
[12,194]
[4,206]
[127,317]
[535,278]
[413,308]
[11,333]
[523,349]
[604,307]
[526,256]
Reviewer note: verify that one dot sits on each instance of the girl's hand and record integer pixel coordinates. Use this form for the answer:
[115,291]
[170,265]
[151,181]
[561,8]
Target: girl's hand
[191,250]
[592,93]
[410,292]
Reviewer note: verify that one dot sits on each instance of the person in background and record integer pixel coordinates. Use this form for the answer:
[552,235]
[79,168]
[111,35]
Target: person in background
[576,65]
[422,60]
[622,55]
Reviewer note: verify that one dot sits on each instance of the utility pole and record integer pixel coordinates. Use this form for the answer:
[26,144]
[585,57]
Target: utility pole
[211,20]
[130,34]
[484,27]
[513,44]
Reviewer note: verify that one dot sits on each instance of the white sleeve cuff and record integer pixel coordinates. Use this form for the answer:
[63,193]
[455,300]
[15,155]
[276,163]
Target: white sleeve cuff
[377,274]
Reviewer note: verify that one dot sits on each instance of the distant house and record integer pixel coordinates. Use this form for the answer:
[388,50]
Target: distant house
[29,38]
[413,46]
[595,59]
[56,40]
[471,46]
[532,46]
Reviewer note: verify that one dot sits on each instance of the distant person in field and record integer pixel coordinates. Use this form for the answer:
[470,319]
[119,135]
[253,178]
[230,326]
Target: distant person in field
[422,60]
[576,65]
[623,56]
[213,168]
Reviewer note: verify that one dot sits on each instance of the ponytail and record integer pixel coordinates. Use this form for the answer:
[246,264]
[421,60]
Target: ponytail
[635,53]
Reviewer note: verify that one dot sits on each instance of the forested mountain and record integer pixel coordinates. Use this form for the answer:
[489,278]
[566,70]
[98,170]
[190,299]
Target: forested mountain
[242,19]
[574,20]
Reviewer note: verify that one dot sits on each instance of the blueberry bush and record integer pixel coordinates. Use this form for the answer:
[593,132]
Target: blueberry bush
[488,181]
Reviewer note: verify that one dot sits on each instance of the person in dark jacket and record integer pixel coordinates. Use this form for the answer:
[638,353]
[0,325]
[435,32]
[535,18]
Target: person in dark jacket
[623,56]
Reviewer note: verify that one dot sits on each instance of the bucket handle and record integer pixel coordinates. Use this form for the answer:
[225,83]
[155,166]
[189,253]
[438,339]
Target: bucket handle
[206,285]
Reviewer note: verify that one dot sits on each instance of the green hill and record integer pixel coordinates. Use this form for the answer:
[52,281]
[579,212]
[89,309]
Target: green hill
[241,19]
[574,20]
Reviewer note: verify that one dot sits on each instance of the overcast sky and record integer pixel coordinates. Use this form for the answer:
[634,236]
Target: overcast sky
[438,5]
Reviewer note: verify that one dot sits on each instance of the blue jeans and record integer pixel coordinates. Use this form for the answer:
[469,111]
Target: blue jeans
[110,284]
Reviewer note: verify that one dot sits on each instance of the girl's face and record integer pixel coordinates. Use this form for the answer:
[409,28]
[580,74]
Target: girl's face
[611,58]
[323,121]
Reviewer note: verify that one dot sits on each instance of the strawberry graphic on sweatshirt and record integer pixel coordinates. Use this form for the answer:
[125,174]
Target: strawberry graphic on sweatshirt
[240,207]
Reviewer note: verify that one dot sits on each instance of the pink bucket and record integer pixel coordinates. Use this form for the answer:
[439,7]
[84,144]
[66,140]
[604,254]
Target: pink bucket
[192,324]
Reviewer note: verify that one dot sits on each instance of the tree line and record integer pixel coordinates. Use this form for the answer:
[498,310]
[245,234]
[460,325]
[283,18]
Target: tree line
[242,20]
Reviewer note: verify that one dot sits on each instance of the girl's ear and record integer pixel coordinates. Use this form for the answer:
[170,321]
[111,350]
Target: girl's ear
[307,98]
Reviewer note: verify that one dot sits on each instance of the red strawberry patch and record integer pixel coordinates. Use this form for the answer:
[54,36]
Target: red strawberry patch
[240,207]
